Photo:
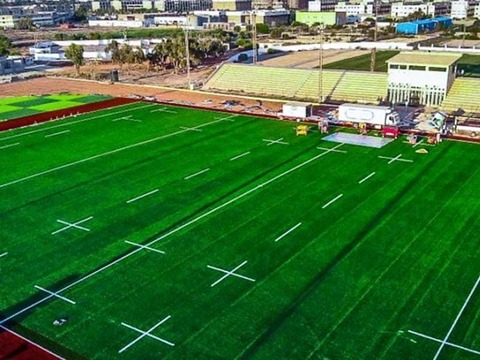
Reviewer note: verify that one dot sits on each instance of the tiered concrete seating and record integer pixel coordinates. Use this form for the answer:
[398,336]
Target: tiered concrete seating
[464,94]
[361,86]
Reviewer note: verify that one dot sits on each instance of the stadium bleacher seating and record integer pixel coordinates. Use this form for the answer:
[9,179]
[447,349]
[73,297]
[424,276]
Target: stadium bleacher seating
[464,95]
[299,84]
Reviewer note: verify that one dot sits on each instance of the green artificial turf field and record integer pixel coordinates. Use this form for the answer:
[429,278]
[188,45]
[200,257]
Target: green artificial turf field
[15,107]
[162,232]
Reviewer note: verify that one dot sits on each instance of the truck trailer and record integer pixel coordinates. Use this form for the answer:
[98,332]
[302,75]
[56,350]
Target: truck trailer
[368,114]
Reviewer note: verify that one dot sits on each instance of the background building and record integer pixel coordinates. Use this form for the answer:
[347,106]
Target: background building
[327,18]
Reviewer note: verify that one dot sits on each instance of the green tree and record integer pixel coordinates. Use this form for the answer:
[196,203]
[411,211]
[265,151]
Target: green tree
[5,45]
[263,29]
[25,23]
[81,14]
[75,53]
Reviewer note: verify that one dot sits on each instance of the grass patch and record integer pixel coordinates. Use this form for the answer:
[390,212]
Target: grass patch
[363,62]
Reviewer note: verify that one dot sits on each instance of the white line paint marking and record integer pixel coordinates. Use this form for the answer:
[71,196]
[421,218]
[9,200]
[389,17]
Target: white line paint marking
[332,201]
[190,128]
[456,319]
[418,143]
[327,149]
[57,133]
[145,247]
[101,155]
[239,156]
[278,141]
[197,173]
[366,178]
[4,254]
[228,118]
[78,121]
[165,110]
[396,158]
[126,118]
[287,232]
[146,333]
[55,294]
[142,196]
[446,343]
[30,342]
[73,225]
[8,146]
[229,273]
[171,232]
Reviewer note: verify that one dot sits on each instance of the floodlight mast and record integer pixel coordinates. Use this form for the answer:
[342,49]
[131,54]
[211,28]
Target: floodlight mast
[253,21]
[187,52]
[320,65]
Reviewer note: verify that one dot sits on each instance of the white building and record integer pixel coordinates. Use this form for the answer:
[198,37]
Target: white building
[462,9]
[423,78]
[401,9]
[322,5]
[351,8]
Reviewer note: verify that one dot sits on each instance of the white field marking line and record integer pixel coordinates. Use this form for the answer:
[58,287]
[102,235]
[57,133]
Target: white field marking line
[30,342]
[396,158]
[58,133]
[418,143]
[101,155]
[444,341]
[424,144]
[146,333]
[55,295]
[77,122]
[366,178]
[145,247]
[339,151]
[332,201]
[171,232]
[197,173]
[278,141]
[228,118]
[142,196]
[8,146]
[4,254]
[74,225]
[287,232]
[228,273]
[239,156]
[164,110]
[122,118]
[190,128]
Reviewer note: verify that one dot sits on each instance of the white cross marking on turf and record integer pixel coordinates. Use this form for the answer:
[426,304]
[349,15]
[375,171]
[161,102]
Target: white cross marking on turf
[446,343]
[164,110]
[144,247]
[396,158]
[55,295]
[74,225]
[287,232]
[190,128]
[4,254]
[146,333]
[327,149]
[228,118]
[228,273]
[278,141]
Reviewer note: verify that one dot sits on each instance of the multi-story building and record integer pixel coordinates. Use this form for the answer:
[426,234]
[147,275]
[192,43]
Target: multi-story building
[434,9]
[351,8]
[462,9]
[322,5]
[11,15]
[232,5]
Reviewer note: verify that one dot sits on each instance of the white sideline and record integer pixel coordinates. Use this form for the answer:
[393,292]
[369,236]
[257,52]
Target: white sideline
[78,121]
[145,247]
[146,333]
[229,273]
[366,178]
[55,294]
[100,155]
[31,342]
[58,133]
[332,201]
[197,173]
[239,156]
[8,146]
[4,254]
[444,341]
[171,232]
[287,232]
[142,196]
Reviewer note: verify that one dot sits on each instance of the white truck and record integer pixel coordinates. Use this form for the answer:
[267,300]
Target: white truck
[368,114]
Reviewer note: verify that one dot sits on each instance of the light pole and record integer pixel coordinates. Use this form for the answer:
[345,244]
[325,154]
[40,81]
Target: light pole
[320,65]
[253,21]
[187,52]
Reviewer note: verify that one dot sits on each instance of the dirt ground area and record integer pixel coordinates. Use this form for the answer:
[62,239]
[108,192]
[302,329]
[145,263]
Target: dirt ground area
[309,59]
[51,85]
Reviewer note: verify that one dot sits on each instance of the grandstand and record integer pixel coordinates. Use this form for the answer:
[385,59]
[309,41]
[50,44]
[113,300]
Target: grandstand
[299,84]
[463,94]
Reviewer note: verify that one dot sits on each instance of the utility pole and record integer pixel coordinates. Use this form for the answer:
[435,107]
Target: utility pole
[374,49]
[253,21]
[187,51]
[320,65]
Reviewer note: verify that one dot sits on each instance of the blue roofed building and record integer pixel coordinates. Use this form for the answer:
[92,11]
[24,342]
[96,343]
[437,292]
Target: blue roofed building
[418,26]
